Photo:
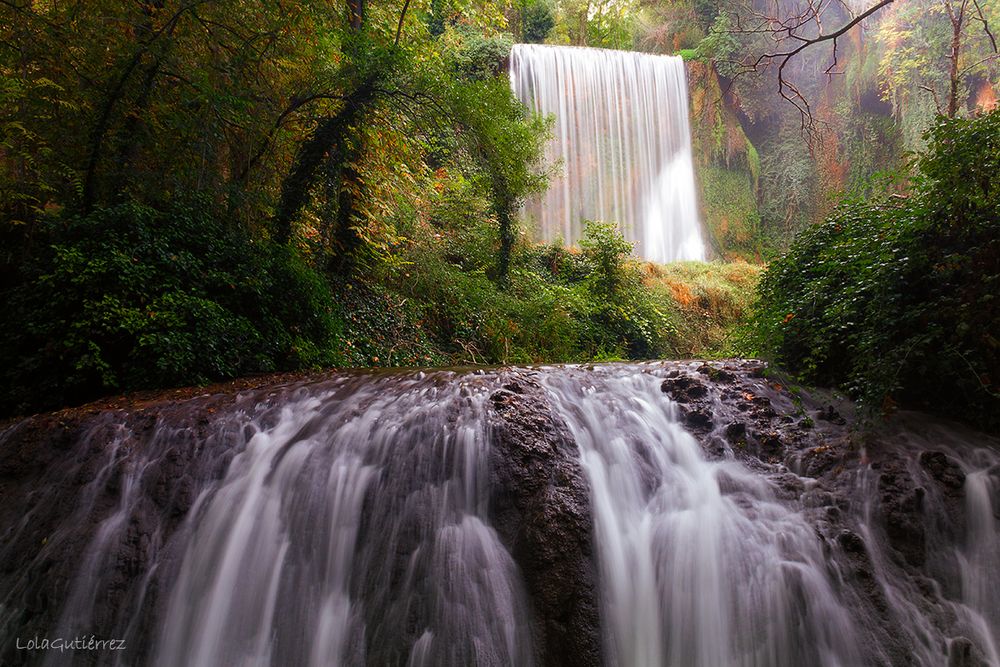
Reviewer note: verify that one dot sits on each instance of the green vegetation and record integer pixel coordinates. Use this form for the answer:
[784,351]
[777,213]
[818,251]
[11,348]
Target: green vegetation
[895,298]
[711,302]
[129,297]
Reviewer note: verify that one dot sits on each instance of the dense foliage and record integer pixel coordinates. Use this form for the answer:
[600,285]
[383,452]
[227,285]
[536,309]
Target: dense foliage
[896,298]
[128,297]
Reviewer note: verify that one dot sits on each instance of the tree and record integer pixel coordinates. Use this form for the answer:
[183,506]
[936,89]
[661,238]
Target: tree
[936,50]
[788,32]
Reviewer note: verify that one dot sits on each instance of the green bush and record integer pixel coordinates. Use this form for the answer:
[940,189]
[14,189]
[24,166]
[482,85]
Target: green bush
[130,297]
[558,306]
[538,18]
[896,298]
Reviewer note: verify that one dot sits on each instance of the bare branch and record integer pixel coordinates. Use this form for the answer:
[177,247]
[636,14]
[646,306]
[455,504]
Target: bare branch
[788,29]
[937,102]
[986,26]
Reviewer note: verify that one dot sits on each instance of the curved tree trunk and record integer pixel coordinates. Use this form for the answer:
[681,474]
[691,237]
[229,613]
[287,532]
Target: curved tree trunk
[328,139]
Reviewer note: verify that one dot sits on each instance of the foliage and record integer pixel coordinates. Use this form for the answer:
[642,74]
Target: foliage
[711,302]
[896,297]
[477,56]
[559,306]
[730,212]
[914,43]
[789,186]
[130,297]
[538,19]
[612,24]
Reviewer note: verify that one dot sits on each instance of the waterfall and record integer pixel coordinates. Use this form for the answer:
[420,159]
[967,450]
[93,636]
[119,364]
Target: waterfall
[353,521]
[623,140]
[701,564]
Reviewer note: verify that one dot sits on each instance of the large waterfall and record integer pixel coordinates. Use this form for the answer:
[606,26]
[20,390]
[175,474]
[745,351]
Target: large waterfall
[622,138]
[448,519]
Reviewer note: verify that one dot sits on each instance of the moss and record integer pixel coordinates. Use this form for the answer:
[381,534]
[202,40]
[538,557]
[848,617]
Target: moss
[753,163]
[729,208]
[728,168]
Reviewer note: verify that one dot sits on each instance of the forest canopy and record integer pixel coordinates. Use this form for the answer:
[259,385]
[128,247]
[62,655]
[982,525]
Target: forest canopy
[193,190]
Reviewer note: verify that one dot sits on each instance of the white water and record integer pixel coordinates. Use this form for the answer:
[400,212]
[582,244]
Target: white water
[331,535]
[701,565]
[623,140]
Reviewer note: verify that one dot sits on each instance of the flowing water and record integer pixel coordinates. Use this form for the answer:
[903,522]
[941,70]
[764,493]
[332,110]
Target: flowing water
[700,563]
[623,141]
[348,522]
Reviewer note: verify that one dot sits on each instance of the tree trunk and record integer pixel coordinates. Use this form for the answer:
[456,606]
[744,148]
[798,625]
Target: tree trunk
[956,42]
[328,139]
[356,10]
[957,23]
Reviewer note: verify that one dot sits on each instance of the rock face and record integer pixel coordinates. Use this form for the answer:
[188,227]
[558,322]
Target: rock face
[888,499]
[541,509]
[64,478]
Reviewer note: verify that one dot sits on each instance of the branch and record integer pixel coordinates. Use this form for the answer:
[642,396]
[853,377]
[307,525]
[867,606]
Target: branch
[937,102]
[783,30]
[986,25]
[399,26]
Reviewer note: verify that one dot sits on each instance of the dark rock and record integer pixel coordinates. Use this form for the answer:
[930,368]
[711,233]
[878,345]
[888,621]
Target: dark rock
[541,510]
[720,375]
[901,501]
[830,414]
[699,419]
[851,542]
[787,486]
[942,469]
[962,653]
[684,388]
[818,461]
[736,432]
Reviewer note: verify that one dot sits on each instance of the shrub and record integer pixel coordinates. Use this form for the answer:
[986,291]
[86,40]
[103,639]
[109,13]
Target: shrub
[896,298]
[559,305]
[130,297]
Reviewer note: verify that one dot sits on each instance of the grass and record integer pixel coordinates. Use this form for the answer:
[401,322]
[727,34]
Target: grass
[710,302]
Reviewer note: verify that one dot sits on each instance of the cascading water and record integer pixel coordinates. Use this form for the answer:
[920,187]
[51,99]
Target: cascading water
[354,521]
[348,528]
[700,563]
[622,137]
[337,525]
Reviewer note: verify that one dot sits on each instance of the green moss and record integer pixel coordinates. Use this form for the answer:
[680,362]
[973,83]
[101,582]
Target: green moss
[753,162]
[729,207]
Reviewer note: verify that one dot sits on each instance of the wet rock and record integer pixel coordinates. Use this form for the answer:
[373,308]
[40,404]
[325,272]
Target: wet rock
[699,419]
[943,469]
[830,414]
[901,501]
[541,510]
[684,388]
[761,408]
[715,374]
[818,461]
[736,432]
[851,542]
[770,443]
[962,653]
[787,486]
